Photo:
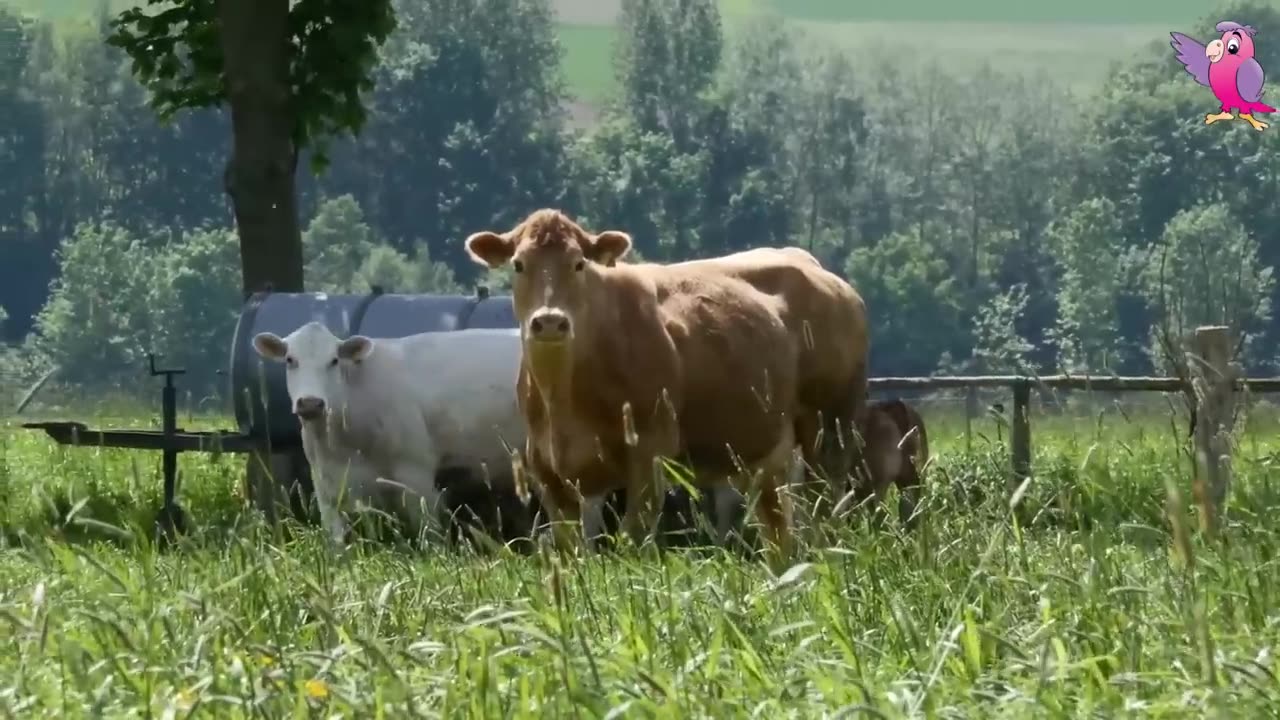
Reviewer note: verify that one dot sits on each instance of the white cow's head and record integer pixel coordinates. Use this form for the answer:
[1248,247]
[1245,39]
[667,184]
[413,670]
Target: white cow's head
[316,366]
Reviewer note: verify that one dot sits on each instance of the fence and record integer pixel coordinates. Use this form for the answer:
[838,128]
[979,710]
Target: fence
[1213,385]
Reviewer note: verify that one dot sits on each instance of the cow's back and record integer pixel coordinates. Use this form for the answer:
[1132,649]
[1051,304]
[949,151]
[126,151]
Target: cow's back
[449,395]
[738,380]
[826,316]
[465,389]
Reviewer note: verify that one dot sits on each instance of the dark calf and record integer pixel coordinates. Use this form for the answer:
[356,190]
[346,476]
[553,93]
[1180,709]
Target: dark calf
[897,449]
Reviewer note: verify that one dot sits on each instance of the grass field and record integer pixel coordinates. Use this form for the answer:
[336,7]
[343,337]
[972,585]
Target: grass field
[1072,43]
[1082,607]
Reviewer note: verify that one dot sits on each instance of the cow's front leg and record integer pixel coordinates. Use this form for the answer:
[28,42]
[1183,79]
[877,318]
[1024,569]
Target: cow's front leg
[646,488]
[329,485]
[594,527]
[561,502]
[564,512]
[331,520]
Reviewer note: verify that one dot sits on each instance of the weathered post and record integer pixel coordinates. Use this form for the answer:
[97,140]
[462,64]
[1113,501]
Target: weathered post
[1213,384]
[1020,431]
[970,413]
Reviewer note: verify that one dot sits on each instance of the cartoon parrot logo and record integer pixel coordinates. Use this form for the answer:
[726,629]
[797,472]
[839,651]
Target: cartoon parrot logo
[1227,67]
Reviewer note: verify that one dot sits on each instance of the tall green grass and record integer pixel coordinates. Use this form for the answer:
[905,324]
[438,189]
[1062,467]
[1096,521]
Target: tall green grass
[1080,601]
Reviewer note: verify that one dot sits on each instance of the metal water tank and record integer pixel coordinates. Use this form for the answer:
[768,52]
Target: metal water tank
[259,395]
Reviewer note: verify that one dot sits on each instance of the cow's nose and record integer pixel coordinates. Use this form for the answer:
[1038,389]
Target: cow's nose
[550,326]
[309,408]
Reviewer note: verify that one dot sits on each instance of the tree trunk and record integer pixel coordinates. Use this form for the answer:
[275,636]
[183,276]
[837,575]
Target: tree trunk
[260,173]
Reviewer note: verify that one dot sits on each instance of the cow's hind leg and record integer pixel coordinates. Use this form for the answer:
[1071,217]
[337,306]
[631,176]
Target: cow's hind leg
[415,486]
[646,491]
[768,484]
[822,477]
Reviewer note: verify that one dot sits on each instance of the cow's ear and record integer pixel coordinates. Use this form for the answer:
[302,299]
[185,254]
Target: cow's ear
[609,247]
[355,348]
[270,346]
[490,249]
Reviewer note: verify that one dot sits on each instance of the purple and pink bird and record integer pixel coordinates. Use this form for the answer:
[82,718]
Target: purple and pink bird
[1227,67]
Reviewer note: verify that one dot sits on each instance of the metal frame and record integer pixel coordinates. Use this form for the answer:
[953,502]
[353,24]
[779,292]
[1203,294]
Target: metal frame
[171,440]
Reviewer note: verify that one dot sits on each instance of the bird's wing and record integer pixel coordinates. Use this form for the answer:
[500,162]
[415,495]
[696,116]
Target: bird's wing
[1191,54]
[1249,80]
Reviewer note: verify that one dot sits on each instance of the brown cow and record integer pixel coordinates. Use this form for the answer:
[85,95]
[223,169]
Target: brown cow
[897,450]
[827,320]
[625,364]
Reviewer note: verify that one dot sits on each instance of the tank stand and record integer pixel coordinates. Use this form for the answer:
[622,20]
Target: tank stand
[170,519]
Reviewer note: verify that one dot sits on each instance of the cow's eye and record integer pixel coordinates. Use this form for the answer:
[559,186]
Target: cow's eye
[518,266]
[291,361]
[579,266]
[333,362]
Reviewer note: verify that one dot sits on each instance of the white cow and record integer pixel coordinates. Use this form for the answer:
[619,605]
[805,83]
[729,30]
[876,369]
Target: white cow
[398,410]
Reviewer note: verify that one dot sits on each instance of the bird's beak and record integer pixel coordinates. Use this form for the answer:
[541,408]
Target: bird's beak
[1213,51]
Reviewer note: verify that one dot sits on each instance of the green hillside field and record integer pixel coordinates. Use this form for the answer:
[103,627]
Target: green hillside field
[1073,43]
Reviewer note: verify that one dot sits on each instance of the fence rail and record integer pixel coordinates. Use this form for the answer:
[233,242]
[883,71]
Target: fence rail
[1101,383]
[1212,388]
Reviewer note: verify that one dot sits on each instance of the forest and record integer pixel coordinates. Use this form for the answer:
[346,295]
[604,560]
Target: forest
[994,221]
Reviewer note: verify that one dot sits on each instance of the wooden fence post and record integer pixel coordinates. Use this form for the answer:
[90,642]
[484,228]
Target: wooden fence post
[970,414]
[1020,430]
[1214,385]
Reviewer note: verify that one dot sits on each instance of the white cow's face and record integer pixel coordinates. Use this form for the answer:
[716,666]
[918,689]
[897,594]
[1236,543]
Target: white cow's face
[317,364]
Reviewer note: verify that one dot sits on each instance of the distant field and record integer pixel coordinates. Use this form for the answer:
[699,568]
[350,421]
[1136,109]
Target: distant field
[588,59]
[1074,55]
[1103,12]
[1072,43]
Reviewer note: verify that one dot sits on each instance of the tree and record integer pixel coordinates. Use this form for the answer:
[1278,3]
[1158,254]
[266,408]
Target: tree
[22,148]
[96,324]
[830,134]
[629,178]
[292,74]
[466,125]
[667,58]
[913,299]
[1205,271]
[997,345]
[1088,247]
[345,255]
[335,244]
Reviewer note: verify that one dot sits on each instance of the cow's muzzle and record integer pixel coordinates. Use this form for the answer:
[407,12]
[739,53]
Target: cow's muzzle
[309,408]
[550,326]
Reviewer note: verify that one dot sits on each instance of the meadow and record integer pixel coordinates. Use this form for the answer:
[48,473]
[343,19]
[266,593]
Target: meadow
[1074,44]
[1093,594]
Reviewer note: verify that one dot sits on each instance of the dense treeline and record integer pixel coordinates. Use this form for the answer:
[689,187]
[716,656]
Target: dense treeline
[993,222]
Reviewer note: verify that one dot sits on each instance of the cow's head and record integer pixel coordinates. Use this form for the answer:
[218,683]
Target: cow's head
[554,262]
[317,366]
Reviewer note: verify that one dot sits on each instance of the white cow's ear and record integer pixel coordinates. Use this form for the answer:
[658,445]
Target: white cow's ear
[355,348]
[270,346]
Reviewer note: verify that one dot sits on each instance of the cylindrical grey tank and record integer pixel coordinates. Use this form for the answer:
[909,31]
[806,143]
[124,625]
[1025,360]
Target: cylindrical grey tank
[258,391]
